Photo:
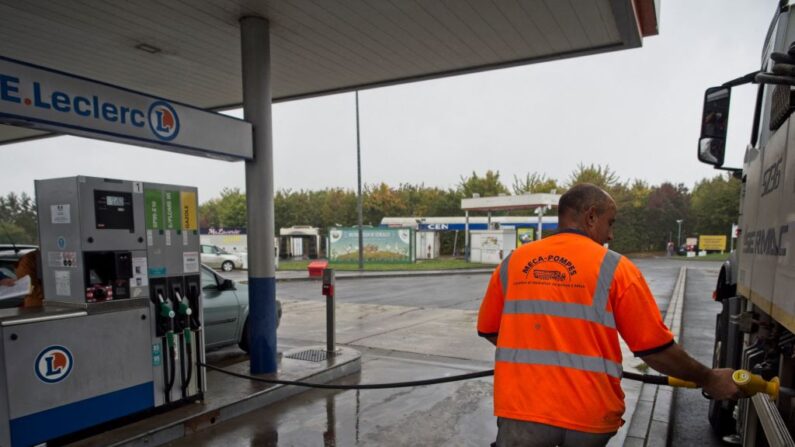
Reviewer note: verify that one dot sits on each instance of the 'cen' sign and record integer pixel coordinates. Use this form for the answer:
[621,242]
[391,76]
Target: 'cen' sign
[50,100]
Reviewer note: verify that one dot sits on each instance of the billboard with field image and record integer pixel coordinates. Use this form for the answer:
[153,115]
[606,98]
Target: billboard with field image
[380,245]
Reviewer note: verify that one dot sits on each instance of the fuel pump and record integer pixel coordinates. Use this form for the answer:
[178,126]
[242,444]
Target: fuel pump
[121,330]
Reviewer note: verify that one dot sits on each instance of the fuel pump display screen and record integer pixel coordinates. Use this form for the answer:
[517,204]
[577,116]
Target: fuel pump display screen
[113,210]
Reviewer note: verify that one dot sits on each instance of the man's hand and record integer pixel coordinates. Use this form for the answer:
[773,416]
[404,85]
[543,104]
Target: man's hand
[720,385]
[8,282]
[675,362]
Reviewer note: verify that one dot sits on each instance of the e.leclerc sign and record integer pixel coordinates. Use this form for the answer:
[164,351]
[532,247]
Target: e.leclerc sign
[50,100]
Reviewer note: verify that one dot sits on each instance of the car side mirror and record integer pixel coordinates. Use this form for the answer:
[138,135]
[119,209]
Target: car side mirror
[714,121]
[227,284]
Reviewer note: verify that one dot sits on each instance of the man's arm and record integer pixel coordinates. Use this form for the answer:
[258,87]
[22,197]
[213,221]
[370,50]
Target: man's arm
[490,311]
[676,362]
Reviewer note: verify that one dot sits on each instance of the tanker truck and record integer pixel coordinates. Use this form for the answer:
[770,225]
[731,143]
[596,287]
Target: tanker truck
[755,329]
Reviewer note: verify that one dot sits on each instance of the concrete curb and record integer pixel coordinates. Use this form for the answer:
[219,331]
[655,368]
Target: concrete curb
[650,424]
[396,274]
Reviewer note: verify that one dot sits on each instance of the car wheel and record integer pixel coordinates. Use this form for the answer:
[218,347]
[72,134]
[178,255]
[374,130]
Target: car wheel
[244,336]
[227,266]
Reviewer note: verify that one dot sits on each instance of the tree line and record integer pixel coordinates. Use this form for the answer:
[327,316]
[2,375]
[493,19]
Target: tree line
[647,217]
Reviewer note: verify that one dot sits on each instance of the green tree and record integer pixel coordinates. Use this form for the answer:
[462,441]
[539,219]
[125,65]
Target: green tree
[667,203]
[629,231]
[487,186]
[381,200]
[208,214]
[535,183]
[18,220]
[715,205]
[598,175]
[232,208]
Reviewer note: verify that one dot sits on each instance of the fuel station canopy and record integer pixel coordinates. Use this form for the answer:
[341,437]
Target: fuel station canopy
[189,51]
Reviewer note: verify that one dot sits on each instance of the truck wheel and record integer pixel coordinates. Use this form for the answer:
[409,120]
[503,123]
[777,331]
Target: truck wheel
[227,266]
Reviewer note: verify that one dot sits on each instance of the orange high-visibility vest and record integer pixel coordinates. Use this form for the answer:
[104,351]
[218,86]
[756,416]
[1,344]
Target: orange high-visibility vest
[557,307]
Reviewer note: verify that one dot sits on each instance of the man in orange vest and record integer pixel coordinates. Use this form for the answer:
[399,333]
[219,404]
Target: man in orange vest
[554,308]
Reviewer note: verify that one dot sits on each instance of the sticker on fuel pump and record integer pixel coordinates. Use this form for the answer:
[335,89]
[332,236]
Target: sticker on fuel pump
[61,214]
[171,209]
[63,283]
[190,262]
[60,259]
[140,277]
[188,211]
[153,210]
[157,357]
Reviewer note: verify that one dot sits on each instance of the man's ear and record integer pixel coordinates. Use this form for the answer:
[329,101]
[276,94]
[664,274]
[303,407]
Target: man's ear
[591,216]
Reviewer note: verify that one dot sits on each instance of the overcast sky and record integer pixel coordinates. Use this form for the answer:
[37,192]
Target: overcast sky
[637,111]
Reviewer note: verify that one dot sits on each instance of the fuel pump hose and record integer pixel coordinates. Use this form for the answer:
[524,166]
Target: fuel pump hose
[646,378]
[371,386]
[189,348]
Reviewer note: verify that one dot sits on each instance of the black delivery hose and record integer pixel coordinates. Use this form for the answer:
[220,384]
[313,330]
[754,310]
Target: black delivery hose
[370,386]
[189,360]
[645,378]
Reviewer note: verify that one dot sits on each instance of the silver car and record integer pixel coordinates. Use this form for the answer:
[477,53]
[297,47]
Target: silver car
[226,310]
[218,258]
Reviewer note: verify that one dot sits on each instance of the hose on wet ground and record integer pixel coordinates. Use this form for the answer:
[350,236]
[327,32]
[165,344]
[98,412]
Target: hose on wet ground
[645,378]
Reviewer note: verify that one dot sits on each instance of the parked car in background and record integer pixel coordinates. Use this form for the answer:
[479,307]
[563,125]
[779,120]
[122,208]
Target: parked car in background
[9,256]
[218,258]
[226,310]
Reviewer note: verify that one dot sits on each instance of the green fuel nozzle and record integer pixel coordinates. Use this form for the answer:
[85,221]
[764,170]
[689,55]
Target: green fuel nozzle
[186,333]
[183,308]
[166,311]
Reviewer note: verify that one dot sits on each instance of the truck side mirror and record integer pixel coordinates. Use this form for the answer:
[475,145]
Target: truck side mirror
[714,121]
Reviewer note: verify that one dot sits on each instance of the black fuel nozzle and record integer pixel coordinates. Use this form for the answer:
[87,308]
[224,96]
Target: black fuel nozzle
[194,296]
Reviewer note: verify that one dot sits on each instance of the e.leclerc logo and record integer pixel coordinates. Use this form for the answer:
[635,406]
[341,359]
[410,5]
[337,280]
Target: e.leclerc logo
[54,364]
[161,117]
[163,120]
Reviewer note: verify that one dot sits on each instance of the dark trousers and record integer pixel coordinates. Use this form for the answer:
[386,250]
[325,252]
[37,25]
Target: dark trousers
[514,433]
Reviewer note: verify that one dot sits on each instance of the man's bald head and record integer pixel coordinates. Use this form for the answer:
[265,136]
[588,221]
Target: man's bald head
[583,203]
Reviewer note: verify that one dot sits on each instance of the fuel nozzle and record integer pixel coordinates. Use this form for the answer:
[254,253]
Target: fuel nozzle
[183,306]
[751,384]
[164,308]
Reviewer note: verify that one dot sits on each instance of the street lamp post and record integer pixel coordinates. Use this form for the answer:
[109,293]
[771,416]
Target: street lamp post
[679,233]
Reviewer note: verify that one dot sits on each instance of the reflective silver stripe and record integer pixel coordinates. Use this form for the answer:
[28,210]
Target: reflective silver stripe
[504,273]
[557,309]
[562,359]
[606,272]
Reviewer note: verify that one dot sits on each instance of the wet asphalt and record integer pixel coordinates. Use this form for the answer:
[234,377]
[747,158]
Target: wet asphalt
[690,426]
[453,414]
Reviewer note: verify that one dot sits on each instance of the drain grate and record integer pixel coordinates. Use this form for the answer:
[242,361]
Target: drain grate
[311,355]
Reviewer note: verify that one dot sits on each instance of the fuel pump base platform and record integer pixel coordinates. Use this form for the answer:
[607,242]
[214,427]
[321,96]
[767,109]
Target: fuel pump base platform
[228,397]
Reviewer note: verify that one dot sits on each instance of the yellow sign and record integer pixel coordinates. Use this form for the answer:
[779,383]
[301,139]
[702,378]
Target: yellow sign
[523,236]
[188,210]
[717,243]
